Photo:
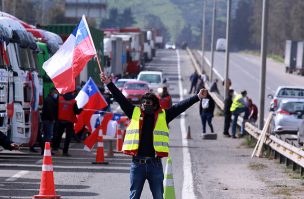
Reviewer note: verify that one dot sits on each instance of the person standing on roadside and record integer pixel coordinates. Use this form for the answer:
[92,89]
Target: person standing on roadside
[49,116]
[239,105]
[147,137]
[206,110]
[67,110]
[165,99]
[227,112]
[214,88]
[193,78]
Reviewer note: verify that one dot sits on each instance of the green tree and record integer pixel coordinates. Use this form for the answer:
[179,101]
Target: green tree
[240,28]
[154,22]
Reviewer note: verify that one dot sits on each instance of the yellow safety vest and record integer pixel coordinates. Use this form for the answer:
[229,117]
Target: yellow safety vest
[236,104]
[160,135]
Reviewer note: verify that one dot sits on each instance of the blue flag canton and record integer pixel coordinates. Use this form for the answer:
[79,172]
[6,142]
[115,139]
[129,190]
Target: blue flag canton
[80,32]
[90,88]
[116,116]
[97,122]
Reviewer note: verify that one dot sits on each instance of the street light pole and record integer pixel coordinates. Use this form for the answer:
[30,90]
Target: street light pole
[226,86]
[263,61]
[212,40]
[203,34]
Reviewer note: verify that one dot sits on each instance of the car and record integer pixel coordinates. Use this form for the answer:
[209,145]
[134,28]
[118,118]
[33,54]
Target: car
[220,44]
[121,82]
[134,90]
[284,92]
[170,46]
[154,78]
[288,117]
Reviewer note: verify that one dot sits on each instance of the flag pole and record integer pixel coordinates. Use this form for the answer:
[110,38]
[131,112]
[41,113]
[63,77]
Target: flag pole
[98,62]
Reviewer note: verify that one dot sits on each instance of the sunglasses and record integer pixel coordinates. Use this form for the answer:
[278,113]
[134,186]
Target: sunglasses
[147,102]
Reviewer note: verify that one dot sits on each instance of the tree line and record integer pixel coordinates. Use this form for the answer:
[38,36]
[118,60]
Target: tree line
[285,22]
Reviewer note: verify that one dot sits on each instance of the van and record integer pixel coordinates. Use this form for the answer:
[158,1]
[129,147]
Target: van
[154,78]
[221,44]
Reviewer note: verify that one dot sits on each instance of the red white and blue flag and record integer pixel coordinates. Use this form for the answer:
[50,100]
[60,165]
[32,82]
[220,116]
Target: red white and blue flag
[90,100]
[104,121]
[67,63]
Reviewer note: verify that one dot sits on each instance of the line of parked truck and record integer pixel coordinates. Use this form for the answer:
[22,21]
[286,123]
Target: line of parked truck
[24,84]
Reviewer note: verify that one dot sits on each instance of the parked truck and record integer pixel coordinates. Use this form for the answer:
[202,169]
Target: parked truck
[22,83]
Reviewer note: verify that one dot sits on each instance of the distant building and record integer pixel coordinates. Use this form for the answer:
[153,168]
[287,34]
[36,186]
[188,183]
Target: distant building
[90,8]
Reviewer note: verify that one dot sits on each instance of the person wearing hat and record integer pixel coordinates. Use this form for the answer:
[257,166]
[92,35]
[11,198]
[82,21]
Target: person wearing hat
[239,105]
[147,136]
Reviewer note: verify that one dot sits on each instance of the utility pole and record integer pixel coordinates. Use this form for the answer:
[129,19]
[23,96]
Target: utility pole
[227,49]
[263,61]
[212,40]
[2,6]
[203,34]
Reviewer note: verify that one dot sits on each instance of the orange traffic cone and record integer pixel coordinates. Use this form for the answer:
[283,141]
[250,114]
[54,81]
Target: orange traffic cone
[47,187]
[119,140]
[100,150]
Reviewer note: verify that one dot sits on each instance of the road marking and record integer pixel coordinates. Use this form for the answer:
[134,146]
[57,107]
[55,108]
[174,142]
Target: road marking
[187,190]
[16,176]
[209,64]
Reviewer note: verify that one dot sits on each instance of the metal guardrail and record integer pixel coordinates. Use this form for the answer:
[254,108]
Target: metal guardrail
[292,153]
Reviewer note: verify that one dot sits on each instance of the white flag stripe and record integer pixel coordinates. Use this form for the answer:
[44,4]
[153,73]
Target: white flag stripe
[86,148]
[46,167]
[119,136]
[99,144]
[111,128]
[82,99]
[62,59]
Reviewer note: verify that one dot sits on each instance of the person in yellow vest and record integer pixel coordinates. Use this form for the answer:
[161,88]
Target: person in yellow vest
[67,110]
[147,137]
[239,105]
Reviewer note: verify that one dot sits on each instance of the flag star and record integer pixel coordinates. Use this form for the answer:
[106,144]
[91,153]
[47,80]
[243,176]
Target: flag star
[89,89]
[78,33]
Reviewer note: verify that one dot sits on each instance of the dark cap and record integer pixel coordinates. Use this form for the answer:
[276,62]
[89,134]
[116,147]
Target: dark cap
[244,92]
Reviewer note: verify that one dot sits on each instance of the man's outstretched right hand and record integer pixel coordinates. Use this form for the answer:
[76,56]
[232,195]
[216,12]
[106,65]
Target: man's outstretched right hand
[105,79]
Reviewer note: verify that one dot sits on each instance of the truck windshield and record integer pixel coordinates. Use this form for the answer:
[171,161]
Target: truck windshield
[24,60]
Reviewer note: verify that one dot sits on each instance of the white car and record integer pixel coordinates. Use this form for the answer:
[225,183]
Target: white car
[288,116]
[170,46]
[285,92]
[154,78]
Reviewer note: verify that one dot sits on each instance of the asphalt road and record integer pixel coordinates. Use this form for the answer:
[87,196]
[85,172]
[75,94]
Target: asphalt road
[244,72]
[218,168]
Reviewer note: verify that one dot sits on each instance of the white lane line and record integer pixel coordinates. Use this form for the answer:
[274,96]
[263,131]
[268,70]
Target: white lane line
[187,190]
[209,64]
[16,176]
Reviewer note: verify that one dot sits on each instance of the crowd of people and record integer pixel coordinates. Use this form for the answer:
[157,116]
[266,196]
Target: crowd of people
[234,106]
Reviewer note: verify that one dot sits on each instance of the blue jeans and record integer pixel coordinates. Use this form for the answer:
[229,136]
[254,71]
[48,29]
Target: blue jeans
[151,171]
[236,114]
[207,117]
[48,127]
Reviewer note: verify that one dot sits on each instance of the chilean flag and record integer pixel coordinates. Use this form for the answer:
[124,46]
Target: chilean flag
[67,63]
[105,121]
[90,100]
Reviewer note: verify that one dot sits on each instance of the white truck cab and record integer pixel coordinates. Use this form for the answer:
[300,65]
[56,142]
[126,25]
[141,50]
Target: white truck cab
[20,51]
